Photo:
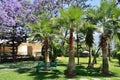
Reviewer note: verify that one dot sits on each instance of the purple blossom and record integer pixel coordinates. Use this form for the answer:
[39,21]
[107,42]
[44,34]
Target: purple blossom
[14,12]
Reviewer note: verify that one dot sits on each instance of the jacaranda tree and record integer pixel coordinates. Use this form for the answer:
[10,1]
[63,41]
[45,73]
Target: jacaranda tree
[13,14]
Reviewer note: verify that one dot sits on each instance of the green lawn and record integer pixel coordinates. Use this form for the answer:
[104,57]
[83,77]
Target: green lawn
[26,71]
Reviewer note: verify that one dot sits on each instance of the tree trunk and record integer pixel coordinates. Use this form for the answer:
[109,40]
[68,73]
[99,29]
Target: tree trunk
[0,49]
[13,50]
[13,45]
[109,51]
[0,52]
[89,62]
[105,66]
[71,64]
[94,58]
[47,60]
[78,55]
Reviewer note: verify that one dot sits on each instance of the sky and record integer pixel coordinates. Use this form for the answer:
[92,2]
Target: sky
[94,2]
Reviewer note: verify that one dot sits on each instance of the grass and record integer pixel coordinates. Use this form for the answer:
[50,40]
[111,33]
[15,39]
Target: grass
[26,71]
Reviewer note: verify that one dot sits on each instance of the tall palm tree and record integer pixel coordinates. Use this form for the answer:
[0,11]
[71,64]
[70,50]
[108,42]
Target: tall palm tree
[105,16]
[111,15]
[71,16]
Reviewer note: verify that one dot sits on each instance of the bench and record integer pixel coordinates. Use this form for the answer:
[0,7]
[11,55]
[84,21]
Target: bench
[43,65]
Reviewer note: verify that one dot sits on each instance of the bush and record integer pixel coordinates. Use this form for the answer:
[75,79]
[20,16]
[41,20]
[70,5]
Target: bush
[118,57]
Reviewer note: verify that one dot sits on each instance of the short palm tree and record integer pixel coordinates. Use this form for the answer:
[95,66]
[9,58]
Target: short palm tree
[43,29]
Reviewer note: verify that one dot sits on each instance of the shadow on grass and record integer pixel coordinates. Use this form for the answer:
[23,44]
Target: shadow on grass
[117,65]
[57,73]
[24,67]
[16,65]
[83,63]
[46,75]
[23,70]
[92,72]
[81,71]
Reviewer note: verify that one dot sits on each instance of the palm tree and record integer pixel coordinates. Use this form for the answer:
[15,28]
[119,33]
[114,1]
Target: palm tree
[105,16]
[111,15]
[89,39]
[92,18]
[71,16]
[42,30]
[108,20]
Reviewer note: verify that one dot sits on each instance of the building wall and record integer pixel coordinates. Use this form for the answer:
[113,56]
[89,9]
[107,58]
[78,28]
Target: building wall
[30,49]
[5,49]
[25,49]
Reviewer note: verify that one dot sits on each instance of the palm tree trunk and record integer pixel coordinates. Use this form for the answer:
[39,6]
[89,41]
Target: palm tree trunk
[95,61]
[71,63]
[47,60]
[94,58]
[105,66]
[89,62]
[78,55]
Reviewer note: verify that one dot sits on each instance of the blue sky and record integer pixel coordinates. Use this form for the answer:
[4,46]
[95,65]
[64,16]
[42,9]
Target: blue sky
[94,2]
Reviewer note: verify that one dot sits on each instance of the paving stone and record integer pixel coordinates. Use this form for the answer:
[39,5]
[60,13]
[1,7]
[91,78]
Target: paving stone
[70,79]
[83,79]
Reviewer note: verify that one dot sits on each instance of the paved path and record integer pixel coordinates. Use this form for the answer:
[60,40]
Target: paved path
[90,79]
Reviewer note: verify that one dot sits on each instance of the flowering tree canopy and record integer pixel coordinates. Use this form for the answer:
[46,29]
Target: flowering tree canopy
[52,6]
[14,13]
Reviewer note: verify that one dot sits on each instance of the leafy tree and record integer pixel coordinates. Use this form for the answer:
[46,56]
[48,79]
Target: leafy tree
[14,14]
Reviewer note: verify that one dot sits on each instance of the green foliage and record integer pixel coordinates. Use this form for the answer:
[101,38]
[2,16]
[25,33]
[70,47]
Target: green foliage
[56,50]
[43,27]
[93,16]
[89,30]
[118,35]
[71,15]
[118,57]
